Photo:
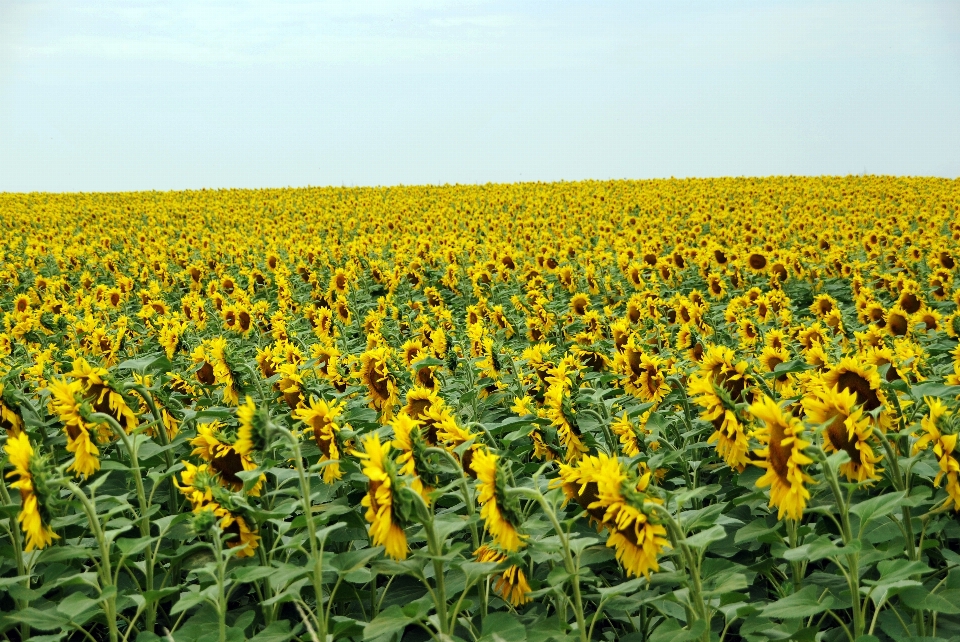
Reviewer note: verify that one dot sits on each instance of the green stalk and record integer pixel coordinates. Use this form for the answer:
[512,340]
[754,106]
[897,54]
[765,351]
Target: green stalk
[690,560]
[853,559]
[104,568]
[144,517]
[570,566]
[221,582]
[164,441]
[316,553]
[14,531]
[435,548]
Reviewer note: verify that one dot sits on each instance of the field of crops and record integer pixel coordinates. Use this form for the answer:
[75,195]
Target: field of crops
[658,410]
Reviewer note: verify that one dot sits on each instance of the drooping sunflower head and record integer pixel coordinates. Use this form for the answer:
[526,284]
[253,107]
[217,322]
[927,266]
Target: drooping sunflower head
[783,458]
[940,432]
[10,419]
[252,435]
[66,399]
[218,448]
[385,518]
[615,499]
[862,379]
[500,512]
[37,483]
[376,376]
[409,441]
[846,428]
[104,394]
[512,585]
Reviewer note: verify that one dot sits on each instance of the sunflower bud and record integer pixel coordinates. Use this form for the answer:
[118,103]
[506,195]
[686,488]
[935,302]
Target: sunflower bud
[203,521]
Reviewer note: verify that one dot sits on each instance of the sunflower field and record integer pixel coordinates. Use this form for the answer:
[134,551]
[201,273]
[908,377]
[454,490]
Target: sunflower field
[667,410]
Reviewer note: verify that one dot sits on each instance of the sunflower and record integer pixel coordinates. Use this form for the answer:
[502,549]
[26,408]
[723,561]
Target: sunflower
[327,365]
[10,419]
[251,436]
[381,385]
[944,448]
[290,385]
[31,471]
[512,584]
[632,437]
[862,379]
[65,400]
[897,321]
[321,420]
[643,375]
[823,305]
[501,514]
[731,439]
[559,410]
[783,458]
[99,389]
[771,357]
[385,523]
[409,441]
[213,358]
[213,446]
[615,500]
[199,486]
[718,387]
[846,428]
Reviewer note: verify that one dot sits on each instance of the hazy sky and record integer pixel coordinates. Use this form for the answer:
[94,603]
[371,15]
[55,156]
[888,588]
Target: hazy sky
[99,95]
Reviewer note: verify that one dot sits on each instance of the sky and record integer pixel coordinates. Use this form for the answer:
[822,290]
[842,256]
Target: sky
[117,96]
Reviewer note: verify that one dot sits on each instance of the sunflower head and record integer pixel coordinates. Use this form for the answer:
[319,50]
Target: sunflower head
[500,511]
[846,428]
[386,509]
[783,458]
[254,433]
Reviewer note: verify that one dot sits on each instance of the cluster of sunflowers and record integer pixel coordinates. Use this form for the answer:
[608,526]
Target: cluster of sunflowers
[538,361]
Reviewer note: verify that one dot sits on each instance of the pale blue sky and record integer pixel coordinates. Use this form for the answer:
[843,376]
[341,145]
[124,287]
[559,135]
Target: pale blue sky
[99,95]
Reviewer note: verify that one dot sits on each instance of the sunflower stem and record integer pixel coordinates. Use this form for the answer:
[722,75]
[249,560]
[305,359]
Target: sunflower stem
[793,527]
[435,548]
[104,568]
[900,483]
[315,554]
[221,582]
[163,437]
[690,560]
[853,559]
[568,561]
[14,531]
[132,447]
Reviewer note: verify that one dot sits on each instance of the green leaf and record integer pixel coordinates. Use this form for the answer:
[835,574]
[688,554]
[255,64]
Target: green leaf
[155,361]
[156,596]
[188,599]
[353,560]
[819,549]
[48,620]
[557,576]
[245,574]
[802,604]
[502,627]
[447,525]
[757,530]
[75,604]
[921,599]
[670,631]
[895,570]
[707,537]
[630,586]
[390,620]
[877,507]
[702,518]
[134,545]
